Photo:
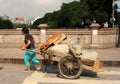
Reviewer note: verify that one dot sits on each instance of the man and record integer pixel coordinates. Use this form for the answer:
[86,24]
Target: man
[116,6]
[29,44]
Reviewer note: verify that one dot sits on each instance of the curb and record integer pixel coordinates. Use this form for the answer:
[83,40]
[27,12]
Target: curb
[21,61]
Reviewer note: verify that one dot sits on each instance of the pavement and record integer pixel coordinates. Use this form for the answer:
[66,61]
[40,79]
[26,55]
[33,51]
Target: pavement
[14,74]
[109,57]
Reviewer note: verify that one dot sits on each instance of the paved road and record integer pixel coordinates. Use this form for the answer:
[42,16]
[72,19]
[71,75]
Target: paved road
[13,74]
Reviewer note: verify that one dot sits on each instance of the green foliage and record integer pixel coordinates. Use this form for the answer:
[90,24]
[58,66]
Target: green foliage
[52,24]
[6,24]
[37,22]
[49,18]
[73,14]
[2,24]
[100,9]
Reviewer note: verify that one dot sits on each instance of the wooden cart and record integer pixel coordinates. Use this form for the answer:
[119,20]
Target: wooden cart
[71,63]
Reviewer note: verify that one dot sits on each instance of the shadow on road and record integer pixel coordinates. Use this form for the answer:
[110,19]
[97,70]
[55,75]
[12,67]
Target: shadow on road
[33,67]
[87,73]
[53,69]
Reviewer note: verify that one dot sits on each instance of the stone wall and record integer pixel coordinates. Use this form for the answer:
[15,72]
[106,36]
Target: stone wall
[106,37]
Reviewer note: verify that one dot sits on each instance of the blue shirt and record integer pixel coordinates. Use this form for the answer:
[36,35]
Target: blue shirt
[29,37]
[116,5]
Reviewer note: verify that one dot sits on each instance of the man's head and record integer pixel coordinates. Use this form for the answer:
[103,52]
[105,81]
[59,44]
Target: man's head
[25,30]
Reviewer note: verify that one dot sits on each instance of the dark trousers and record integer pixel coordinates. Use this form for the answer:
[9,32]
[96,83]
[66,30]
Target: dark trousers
[118,44]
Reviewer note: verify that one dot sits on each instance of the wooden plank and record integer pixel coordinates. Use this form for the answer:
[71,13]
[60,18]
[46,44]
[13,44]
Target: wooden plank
[53,38]
[62,37]
[97,65]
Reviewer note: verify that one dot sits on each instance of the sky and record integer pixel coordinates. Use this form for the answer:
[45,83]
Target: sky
[29,8]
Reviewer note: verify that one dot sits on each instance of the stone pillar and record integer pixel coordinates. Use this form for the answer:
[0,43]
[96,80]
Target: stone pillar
[43,28]
[94,43]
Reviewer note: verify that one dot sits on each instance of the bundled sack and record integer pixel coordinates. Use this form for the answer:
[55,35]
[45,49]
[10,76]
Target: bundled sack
[60,50]
[89,55]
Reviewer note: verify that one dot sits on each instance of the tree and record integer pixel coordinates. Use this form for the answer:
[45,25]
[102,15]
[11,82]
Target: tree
[9,24]
[100,9]
[6,24]
[49,18]
[74,13]
[2,24]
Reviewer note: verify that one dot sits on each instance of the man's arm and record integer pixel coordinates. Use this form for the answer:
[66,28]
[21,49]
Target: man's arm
[26,45]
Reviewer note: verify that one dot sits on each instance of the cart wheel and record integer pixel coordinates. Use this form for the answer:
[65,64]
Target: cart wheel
[70,67]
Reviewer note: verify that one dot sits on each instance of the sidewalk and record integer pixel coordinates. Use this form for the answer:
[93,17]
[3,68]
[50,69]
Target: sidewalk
[109,57]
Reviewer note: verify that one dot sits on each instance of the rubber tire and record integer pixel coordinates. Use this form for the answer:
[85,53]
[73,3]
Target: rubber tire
[70,77]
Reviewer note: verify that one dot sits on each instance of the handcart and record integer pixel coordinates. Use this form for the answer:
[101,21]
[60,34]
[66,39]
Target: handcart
[71,58]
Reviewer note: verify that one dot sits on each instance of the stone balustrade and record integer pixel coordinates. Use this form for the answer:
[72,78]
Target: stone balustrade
[106,38]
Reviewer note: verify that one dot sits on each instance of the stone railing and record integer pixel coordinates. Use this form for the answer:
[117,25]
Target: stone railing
[106,38]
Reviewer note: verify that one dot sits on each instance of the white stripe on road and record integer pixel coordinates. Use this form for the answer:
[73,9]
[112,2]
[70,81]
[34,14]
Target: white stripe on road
[110,72]
[38,77]
[76,81]
[34,78]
